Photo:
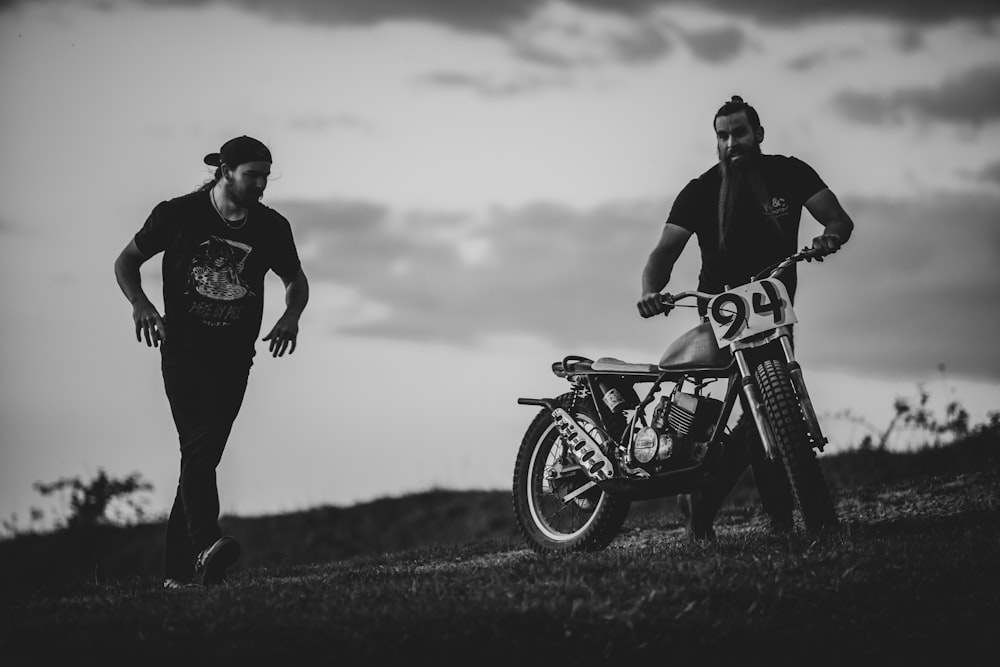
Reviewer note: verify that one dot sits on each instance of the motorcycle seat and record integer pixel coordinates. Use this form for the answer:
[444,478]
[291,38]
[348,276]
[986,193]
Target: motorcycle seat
[574,365]
[612,365]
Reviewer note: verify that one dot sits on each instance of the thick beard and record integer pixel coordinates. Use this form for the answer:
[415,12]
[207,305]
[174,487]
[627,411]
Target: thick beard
[244,199]
[745,174]
[750,158]
[729,191]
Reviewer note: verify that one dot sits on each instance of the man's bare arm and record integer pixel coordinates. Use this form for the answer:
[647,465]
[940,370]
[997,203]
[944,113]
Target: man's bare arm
[837,225]
[659,266]
[146,318]
[284,334]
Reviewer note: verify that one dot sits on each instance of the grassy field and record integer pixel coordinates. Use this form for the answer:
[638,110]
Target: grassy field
[911,577]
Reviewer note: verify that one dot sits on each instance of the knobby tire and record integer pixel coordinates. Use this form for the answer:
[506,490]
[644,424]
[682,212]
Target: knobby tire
[547,524]
[794,446]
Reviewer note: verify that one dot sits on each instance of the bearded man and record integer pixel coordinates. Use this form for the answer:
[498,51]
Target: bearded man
[745,211]
[218,243]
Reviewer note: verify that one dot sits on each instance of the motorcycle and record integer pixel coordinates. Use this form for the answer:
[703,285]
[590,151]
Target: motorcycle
[592,451]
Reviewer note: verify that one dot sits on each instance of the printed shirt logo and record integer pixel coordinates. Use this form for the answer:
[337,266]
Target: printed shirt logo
[775,207]
[216,274]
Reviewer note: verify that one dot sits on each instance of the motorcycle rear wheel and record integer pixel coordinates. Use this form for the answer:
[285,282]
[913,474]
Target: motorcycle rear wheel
[788,425]
[588,522]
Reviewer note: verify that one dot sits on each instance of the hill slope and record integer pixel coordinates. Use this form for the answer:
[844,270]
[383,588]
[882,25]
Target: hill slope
[910,578]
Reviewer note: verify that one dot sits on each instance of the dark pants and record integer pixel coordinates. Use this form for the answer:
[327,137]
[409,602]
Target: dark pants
[205,397]
[745,449]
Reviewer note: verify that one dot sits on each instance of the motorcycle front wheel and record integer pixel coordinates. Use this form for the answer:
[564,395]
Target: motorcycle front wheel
[795,448]
[554,510]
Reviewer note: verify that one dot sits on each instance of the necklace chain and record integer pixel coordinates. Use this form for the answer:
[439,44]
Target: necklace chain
[229,223]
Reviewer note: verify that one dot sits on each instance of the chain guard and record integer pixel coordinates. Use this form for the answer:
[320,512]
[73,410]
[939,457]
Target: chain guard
[583,447]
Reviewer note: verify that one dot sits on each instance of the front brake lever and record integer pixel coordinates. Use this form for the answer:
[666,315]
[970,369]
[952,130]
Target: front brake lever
[667,303]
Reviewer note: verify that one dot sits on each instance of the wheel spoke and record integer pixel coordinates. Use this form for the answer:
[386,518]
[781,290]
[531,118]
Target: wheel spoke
[557,506]
[569,497]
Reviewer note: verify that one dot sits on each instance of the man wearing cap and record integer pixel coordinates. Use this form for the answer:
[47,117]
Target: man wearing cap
[218,243]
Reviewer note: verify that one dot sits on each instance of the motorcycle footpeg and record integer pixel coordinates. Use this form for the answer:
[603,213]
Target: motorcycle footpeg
[583,447]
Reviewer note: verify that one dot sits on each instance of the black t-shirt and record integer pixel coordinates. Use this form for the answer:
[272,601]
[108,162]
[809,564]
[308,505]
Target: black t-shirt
[760,233]
[213,276]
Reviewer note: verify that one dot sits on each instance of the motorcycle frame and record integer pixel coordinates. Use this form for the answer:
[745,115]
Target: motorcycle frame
[740,381]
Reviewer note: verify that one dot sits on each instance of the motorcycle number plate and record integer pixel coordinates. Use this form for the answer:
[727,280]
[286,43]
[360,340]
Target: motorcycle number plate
[751,309]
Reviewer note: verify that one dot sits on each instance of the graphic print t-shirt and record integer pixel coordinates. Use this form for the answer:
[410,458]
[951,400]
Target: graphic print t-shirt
[760,234]
[213,276]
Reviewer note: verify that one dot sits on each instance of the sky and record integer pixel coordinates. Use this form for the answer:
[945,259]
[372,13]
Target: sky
[474,188]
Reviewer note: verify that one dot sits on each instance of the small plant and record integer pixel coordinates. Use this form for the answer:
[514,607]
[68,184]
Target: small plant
[915,417]
[91,503]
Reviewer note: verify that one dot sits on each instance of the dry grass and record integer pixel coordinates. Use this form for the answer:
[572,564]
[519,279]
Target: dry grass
[910,577]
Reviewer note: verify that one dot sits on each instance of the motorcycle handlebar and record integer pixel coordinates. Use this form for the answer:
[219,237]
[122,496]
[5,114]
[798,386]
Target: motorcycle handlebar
[664,303]
[806,254]
[667,301]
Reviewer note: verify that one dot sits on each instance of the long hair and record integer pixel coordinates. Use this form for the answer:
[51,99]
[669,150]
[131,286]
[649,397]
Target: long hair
[736,105]
[730,184]
[210,183]
[733,180]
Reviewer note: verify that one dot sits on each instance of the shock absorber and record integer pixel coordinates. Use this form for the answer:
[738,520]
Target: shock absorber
[579,391]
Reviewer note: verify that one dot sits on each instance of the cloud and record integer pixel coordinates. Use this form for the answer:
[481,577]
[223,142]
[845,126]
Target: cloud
[972,98]
[815,59]
[989,174]
[794,11]
[717,46]
[572,34]
[915,287]
[489,86]
[321,122]
[561,36]
[493,16]
[468,15]
[643,44]
[542,269]
[910,40]
[566,34]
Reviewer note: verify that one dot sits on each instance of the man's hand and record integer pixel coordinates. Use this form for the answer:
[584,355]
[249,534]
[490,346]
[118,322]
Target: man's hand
[654,303]
[283,335]
[826,244]
[148,322]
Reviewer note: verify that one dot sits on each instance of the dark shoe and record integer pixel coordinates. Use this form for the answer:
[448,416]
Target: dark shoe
[701,508]
[213,562]
[177,584]
[684,505]
[700,531]
[702,535]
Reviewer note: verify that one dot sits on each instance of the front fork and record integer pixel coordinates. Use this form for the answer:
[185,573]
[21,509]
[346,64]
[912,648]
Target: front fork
[754,403]
[799,384]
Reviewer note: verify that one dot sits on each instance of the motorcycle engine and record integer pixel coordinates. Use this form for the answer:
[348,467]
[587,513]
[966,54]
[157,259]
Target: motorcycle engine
[679,432]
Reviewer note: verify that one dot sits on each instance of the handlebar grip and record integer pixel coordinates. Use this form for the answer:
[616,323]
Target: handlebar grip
[653,306]
[809,254]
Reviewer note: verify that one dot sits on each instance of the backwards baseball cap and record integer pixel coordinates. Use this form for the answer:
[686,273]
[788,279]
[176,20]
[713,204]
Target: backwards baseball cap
[239,150]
